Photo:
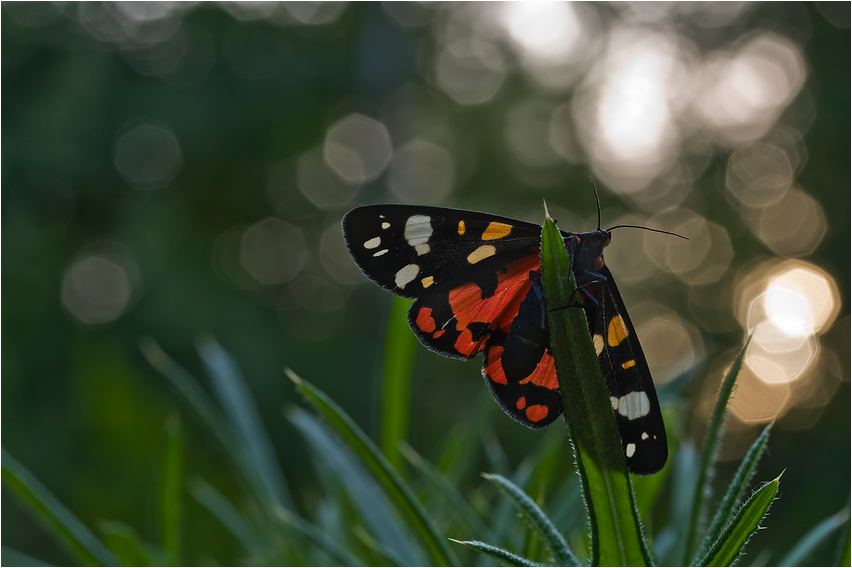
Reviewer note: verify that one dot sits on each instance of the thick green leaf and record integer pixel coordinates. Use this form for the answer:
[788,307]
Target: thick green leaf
[616,532]
[372,504]
[500,554]
[400,348]
[745,523]
[814,538]
[450,493]
[77,538]
[171,484]
[375,462]
[538,520]
[236,399]
[127,545]
[735,491]
[709,453]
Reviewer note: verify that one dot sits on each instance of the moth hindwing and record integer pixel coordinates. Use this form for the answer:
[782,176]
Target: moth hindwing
[476,282]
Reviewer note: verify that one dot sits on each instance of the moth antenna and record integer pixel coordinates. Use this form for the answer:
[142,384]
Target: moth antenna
[648,229]
[597,200]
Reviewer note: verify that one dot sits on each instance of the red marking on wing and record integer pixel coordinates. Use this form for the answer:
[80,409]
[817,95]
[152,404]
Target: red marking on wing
[497,311]
[537,412]
[522,402]
[544,374]
[438,333]
[493,366]
[425,321]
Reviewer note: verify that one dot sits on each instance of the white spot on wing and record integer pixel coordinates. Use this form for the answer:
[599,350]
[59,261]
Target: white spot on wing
[630,450]
[373,243]
[406,275]
[385,225]
[634,405]
[644,435]
[599,343]
[380,253]
[418,229]
[422,248]
[614,402]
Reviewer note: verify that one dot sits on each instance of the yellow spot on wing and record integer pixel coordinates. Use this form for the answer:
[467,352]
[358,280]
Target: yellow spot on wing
[617,331]
[496,231]
[428,281]
[628,364]
[481,253]
[461,227]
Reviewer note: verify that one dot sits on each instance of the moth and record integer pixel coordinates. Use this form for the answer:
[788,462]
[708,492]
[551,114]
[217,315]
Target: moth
[476,282]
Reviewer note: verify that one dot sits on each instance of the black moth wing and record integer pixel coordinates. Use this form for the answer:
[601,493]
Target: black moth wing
[631,388]
[405,249]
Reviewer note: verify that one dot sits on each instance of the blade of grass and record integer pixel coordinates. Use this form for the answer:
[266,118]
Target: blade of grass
[463,443]
[318,537]
[745,523]
[71,532]
[616,532]
[226,513]
[814,538]
[735,491]
[400,348]
[670,544]
[171,484]
[371,502]
[539,521]
[709,452]
[445,488]
[843,557]
[206,411]
[494,552]
[646,488]
[375,462]
[127,545]
[11,557]
[236,399]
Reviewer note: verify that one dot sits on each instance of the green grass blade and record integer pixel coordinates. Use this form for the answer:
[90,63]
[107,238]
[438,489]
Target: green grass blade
[11,557]
[126,544]
[538,520]
[735,491]
[844,552]
[375,462]
[171,485]
[745,523]
[445,488]
[225,512]
[205,409]
[616,533]
[318,537]
[77,538]
[494,552]
[372,504]
[400,348]
[815,538]
[236,399]
[709,452]
[463,443]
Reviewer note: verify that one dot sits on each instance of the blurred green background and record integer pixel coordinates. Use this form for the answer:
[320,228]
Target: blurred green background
[172,170]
